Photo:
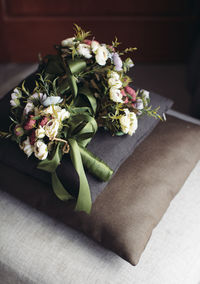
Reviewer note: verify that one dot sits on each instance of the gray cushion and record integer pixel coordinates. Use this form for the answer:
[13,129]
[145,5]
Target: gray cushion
[113,150]
[125,213]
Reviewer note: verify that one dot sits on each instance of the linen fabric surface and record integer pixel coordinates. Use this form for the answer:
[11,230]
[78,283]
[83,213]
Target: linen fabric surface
[35,249]
[125,213]
[112,150]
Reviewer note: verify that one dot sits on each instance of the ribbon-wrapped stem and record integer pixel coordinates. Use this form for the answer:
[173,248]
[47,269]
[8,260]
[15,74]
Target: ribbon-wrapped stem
[95,166]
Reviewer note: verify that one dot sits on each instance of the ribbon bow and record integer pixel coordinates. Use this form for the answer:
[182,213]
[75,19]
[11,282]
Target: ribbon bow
[81,128]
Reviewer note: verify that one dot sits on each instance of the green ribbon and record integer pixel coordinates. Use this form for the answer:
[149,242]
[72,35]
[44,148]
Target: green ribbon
[95,166]
[82,127]
[84,202]
[72,68]
[50,165]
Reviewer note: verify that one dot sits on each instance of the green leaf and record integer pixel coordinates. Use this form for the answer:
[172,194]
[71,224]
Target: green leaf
[5,135]
[63,86]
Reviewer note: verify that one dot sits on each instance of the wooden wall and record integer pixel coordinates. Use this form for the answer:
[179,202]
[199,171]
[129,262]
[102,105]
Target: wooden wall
[159,28]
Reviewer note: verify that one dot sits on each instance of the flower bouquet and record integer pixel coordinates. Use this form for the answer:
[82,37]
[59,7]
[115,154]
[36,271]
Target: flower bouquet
[83,87]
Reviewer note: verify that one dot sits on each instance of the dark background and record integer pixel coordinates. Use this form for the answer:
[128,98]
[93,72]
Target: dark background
[166,33]
[163,30]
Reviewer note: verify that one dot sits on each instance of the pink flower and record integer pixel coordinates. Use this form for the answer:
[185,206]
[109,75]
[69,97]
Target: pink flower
[32,137]
[44,121]
[19,131]
[111,48]
[124,95]
[30,124]
[131,92]
[87,41]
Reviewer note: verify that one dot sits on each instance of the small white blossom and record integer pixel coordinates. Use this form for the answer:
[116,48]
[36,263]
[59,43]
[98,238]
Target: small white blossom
[51,128]
[27,147]
[139,104]
[53,100]
[68,42]
[115,95]
[94,46]
[28,108]
[15,103]
[113,82]
[63,114]
[40,150]
[37,96]
[40,132]
[101,55]
[84,50]
[145,94]
[129,62]
[15,96]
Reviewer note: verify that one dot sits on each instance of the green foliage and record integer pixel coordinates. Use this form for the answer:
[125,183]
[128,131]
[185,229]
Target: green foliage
[115,43]
[80,34]
[5,135]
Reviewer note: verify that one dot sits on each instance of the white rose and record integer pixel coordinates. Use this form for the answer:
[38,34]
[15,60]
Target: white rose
[133,123]
[145,94]
[40,150]
[51,110]
[28,108]
[84,50]
[128,122]
[63,114]
[94,46]
[101,55]
[40,132]
[125,121]
[114,82]
[68,42]
[115,95]
[27,147]
[113,75]
[51,128]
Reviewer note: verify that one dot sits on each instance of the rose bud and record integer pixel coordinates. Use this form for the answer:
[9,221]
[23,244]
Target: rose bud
[44,121]
[131,92]
[32,138]
[19,131]
[124,96]
[87,41]
[30,124]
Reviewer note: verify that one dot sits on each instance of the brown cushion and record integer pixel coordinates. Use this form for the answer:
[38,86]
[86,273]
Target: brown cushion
[125,213]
